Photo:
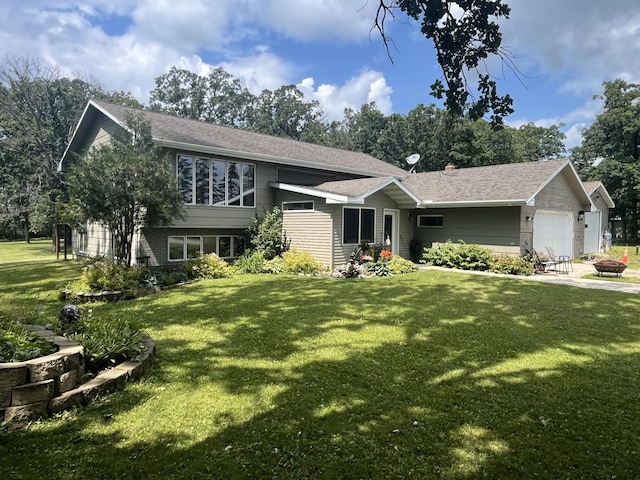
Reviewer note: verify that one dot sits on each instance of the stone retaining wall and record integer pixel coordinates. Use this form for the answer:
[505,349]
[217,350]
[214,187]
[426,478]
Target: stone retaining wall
[53,383]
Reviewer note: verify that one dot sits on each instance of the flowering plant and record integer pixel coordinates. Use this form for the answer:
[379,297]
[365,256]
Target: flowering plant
[386,254]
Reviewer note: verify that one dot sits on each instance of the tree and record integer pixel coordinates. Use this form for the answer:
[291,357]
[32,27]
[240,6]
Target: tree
[540,143]
[216,98]
[38,110]
[283,112]
[610,150]
[125,185]
[464,34]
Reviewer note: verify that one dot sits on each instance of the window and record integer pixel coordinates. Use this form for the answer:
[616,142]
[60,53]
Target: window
[431,221]
[358,225]
[205,181]
[296,206]
[225,246]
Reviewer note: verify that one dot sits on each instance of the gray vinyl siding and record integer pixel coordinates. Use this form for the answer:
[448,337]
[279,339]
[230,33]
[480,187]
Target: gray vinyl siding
[309,176]
[603,207]
[100,134]
[308,230]
[494,227]
[99,242]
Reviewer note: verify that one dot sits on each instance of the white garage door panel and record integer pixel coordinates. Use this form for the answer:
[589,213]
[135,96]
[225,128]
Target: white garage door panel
[555,230]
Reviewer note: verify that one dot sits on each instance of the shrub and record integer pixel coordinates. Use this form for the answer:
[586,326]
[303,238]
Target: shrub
[300,262]
[401,265]
[275,265]
[464,256]
[379,269]
[512,265]
[207,266]
[254,262]
[18,343]
[106,340]
[267,234]
[109,275]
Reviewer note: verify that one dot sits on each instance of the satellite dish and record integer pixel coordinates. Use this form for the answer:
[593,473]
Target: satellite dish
[412,160]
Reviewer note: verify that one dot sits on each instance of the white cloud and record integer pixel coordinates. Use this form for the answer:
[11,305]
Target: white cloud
[585,43]
[328,20]
[261,70]
[369,86]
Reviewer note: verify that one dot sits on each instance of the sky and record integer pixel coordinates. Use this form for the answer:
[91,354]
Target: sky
[563,50]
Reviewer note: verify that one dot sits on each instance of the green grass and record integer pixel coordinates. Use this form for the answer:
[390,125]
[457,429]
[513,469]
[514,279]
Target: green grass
[425,375]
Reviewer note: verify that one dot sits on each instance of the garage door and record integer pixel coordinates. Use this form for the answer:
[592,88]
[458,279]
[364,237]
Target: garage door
[555,230]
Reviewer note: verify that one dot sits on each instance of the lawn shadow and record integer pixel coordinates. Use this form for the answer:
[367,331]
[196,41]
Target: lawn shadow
[430,375]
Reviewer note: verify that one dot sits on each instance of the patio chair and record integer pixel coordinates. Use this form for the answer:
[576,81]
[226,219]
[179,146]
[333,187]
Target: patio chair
[564,262]
[541,264]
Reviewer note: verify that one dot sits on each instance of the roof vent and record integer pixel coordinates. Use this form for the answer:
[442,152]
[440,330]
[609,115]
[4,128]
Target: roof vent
[449,168]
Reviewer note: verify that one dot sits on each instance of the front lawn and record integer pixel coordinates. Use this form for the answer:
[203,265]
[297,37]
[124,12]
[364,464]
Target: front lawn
[425,375]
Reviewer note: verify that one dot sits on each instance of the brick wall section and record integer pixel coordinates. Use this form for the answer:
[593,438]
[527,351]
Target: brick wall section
[50,384]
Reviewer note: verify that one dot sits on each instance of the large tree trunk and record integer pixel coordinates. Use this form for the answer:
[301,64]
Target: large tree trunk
[27,228]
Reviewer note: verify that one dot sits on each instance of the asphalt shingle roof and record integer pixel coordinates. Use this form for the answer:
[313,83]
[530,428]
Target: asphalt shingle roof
[513,181]
[201,134]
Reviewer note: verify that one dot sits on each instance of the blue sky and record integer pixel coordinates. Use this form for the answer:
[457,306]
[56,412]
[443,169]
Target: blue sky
[564,50]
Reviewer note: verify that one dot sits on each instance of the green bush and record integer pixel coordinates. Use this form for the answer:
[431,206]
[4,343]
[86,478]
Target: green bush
[275,265]
[267,234]
[512,265]
[463,256]
[378,269]
[401,265]
[254,262]
[18,343]
[207,266]
[474,257]
[106,340]
[109,275]
[300,262]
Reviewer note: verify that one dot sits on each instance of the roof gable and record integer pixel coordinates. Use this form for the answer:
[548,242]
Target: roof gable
[598,188]
[356,191]
[181,133]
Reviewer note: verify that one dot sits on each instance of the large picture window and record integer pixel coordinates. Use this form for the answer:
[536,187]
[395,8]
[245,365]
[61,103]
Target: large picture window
[183,248]
[205,181]
[358,225]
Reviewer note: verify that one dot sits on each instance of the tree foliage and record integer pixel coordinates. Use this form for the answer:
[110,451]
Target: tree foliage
[610,151]
[441,138]
[215,98]
[125,185]
[38,110]
[464,34]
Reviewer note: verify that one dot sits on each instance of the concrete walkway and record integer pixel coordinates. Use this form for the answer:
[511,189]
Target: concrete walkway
[572,279]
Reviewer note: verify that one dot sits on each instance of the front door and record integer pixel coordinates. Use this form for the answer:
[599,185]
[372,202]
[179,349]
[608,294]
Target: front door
[391,234]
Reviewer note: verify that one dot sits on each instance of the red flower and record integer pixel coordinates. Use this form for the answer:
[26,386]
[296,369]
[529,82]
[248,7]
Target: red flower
[386,254]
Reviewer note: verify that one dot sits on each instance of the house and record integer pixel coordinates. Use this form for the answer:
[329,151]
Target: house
[333,199]
[509,208]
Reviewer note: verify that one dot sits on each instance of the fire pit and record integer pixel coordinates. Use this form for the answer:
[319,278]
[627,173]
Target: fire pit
[609,266]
